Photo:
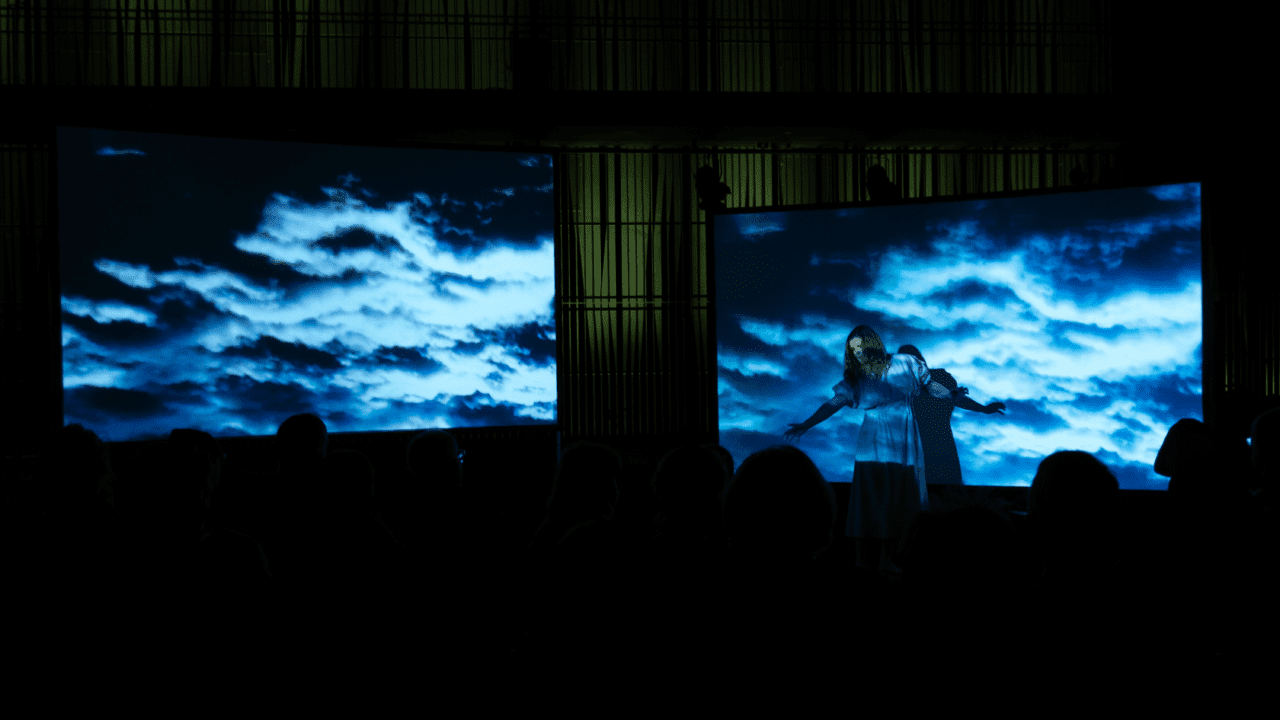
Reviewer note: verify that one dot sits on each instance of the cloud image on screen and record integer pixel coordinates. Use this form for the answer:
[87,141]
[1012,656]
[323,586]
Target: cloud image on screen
[228,284]
[1081,312]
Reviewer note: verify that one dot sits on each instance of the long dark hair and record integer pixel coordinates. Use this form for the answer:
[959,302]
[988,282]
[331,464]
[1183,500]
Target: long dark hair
[874,359]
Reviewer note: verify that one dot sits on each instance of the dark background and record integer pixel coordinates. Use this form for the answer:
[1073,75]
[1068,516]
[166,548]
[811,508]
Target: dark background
[1168,98]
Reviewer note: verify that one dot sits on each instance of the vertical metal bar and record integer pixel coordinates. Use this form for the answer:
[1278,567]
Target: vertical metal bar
[468,70]
[621,366]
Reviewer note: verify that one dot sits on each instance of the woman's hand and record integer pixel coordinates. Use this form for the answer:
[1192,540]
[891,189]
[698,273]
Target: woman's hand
[797,429]
[995,407]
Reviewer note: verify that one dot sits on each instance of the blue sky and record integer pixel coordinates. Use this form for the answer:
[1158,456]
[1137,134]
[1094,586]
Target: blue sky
[1080,311]
[227,284]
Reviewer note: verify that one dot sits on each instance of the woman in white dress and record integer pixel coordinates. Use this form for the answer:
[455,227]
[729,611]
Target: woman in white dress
[888,488]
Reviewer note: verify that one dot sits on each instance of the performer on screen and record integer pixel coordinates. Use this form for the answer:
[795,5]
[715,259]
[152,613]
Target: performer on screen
[889,470]
[933,418]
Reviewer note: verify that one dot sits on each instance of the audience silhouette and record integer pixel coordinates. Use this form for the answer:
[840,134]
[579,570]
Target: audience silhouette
[179,540]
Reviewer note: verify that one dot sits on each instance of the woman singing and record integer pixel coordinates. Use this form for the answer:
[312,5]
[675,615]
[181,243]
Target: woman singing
[889,473]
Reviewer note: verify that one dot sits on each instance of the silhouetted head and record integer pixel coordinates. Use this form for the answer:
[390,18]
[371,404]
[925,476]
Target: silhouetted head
[689,483]
[204,442]
[74,463]
[586,483]
[302,442]
[911,350]
[433,457]
[1187,442]
[1072,504]
[1071,483]
[778,504]
[876,174]
[1209,468]
[725,456]
[864,355]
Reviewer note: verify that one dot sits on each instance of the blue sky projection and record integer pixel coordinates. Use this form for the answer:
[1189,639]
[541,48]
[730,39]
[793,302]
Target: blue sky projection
[227,284]
[1080,311]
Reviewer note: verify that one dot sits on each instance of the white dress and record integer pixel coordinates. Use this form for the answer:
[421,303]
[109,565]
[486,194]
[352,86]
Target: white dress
[888,474]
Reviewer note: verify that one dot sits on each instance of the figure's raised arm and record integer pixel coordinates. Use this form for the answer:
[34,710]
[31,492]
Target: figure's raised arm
[969,404]
[824,411]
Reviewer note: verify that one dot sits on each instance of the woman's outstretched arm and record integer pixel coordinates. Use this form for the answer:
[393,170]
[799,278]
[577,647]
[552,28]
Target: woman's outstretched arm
[969,404]
[824,411]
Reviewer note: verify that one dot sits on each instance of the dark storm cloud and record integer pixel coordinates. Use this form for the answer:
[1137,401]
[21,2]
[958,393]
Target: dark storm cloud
[180,309]
[480,409]
[405,358]
[187,392]
[109,152]
[532,342]
[1032,414]
[1061,328]
[1092,403]
[114,333]
[359,238]
[440,279]
[295,353]
[748,437]
[1124,437]
[967,292]
[105,403]
[532,339]
[1134,425]
[762,384]
[476,410]
[272,398]
[1169,392]
[729,333]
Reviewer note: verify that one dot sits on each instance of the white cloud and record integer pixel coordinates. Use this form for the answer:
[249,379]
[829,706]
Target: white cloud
[108,311]
[138,276]
[770,333]
[749,366]
[395,304]
[1188,191]
[752,225]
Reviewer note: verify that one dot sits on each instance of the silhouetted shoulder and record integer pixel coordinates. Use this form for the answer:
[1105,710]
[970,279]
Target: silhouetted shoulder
[943,378]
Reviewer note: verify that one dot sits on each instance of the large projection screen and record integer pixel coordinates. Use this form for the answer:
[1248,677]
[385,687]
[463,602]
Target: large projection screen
[227,284]
[1080,311]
